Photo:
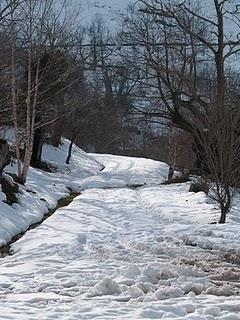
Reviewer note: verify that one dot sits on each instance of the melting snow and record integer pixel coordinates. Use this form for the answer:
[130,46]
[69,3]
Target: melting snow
[126,248]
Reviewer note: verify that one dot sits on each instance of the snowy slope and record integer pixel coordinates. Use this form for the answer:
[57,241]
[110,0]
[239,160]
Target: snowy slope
[122,252]
[139,172]
[43,189]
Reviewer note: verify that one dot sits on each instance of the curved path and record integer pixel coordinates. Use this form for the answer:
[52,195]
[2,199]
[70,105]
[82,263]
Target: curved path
[119,251]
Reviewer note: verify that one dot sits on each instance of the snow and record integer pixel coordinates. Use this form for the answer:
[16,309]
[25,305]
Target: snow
[126,248]
[105,287]
[43,189]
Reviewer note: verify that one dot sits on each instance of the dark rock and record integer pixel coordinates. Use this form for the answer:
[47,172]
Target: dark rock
[176,180]
[199,187]
[4,154]
[10,188]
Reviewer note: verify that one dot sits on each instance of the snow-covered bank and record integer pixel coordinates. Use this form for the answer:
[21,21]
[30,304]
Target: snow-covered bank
[43,189]
[189,217]
[120,252]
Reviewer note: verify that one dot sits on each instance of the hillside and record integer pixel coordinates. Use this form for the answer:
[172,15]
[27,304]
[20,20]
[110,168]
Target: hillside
[44,189]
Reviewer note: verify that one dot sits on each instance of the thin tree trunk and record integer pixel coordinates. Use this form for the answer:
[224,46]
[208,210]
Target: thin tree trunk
[37,146]
[57,133]
[31,105]
[219,58]
[29,147]
[172,153]
[223,215]
[27,155]
[70,148]
[13,91]
[225,207]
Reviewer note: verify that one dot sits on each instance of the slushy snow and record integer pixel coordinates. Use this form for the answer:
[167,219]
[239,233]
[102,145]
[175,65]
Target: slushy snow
[126,248]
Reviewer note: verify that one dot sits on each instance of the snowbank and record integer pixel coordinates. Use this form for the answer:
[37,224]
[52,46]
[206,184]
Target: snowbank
[43,189]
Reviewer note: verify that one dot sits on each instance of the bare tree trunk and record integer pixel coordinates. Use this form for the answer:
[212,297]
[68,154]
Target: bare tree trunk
[220,89]
[70,147]
[32,87]
[223,215]
[219,57]
[27,155]
[30,130]
[37,145]
[13,91]
[57,133]
[172,153]
[225,206]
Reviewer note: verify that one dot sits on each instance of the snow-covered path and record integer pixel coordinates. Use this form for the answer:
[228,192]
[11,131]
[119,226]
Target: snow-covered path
[119,251]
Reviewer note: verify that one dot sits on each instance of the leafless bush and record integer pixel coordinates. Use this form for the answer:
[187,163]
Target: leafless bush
[219,141]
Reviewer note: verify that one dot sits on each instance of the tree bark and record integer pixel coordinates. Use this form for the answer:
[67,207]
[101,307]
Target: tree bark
[37,146]
[13,91]
[219,57]
[4,155]
[70,148]
[225,206]
[57,133]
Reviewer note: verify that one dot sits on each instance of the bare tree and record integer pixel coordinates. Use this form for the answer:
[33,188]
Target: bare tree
[174,42]
[7,7]
[182,52]
[39,91]
[219,140]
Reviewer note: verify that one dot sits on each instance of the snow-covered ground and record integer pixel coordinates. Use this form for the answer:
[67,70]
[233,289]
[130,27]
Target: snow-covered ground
[43,189]
[125,251]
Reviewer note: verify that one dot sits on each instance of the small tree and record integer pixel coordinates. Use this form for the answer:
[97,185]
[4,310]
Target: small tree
[219,140]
